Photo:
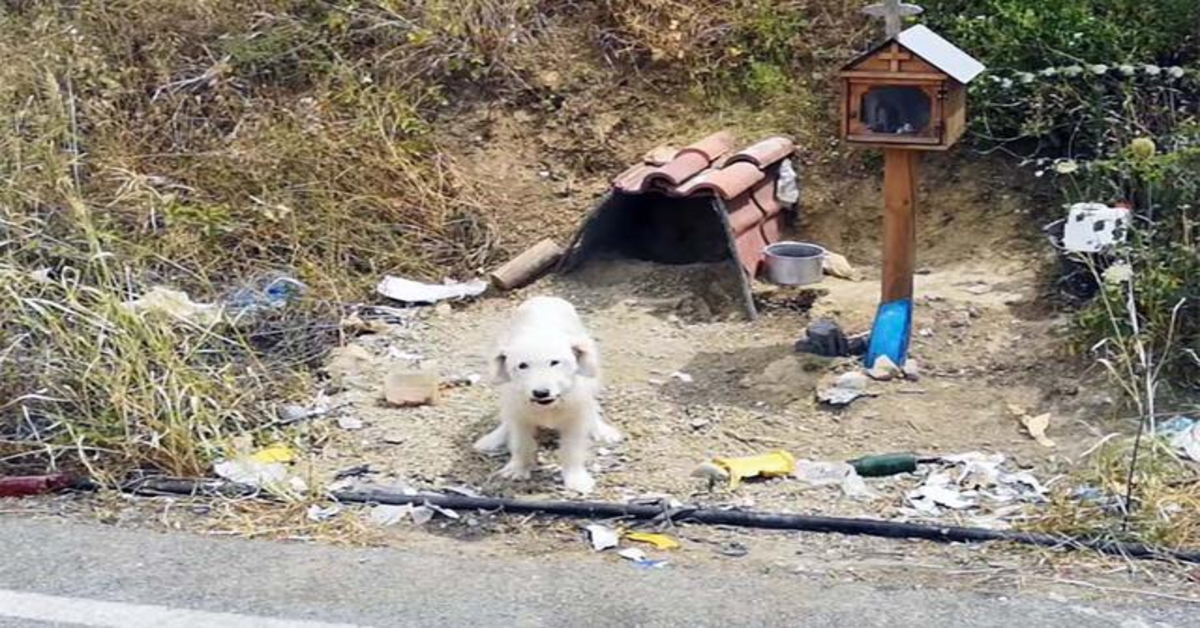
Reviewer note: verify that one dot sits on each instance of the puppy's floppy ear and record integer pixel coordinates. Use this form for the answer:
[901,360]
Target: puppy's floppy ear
[586,358]
[499,368]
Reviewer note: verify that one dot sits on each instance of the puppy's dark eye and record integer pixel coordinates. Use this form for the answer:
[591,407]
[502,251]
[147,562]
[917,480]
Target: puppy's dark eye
[553,362]
[523,365]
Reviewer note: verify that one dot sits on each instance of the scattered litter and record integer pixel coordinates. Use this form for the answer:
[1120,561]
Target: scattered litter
[389,515]
[659,541]
[445,512]
[350,423]
[602,537]
[837,265]
[976,480]
[24,486]
[639,558]
[826,338]
[883,465]
[421,515]
[828,473]
[318,513]
[528,266]
[291,413]
[406,388]
[1094,227]
[175,304]
[884,370]
[1035,425]
[274,453]
[1184,435]
[251,472]
[409,291]
[846,388]
[775,464]
[683,377]
[268,292]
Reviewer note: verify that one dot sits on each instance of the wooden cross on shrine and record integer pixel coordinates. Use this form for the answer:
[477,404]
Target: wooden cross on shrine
[893,13]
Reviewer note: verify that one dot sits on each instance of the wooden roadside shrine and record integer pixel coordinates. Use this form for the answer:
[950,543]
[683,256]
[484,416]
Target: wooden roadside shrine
[905,95]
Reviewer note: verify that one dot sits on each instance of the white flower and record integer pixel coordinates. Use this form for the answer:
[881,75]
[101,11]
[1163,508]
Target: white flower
[1067,166]
[1049,71]
[1099,68]
[1152,70]
[1006,83]
[1025,78]
[1126,69]
[1118,273]
[1072,70]
[1175,72]
[1039,173]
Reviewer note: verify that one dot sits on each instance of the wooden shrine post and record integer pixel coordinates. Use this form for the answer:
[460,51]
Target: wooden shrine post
[905,95]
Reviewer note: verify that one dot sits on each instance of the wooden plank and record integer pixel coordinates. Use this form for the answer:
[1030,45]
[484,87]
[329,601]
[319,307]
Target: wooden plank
[890,78]
[899,223]
[527,266]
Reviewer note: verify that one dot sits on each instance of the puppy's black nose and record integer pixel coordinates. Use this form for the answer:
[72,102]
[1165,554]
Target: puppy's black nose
[541,393]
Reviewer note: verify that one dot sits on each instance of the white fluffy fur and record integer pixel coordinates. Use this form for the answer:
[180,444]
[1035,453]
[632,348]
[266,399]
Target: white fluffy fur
[547,369]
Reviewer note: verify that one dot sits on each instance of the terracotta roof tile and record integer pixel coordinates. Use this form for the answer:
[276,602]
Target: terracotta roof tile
[743,180]
[725,182]
[765,152]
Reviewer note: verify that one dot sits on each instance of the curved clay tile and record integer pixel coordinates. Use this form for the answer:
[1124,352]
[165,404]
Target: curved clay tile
[633,180]
[687,164]
[765,152]
[727,182]
[712,146]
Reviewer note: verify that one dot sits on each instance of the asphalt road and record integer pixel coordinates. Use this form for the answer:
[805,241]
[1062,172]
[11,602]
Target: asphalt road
[61,574]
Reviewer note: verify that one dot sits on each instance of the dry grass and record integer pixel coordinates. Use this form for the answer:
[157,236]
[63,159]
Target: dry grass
[1165,503]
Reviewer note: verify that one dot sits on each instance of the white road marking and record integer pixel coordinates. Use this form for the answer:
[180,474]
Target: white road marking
[84,612]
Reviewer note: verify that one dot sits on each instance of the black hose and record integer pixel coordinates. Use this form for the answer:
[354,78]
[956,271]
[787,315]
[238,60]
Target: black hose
[746,519]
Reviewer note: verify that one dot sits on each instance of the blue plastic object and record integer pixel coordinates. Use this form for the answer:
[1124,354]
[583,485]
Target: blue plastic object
[891,332]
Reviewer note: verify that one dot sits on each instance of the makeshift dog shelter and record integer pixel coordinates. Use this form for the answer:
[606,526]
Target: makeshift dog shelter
[704,203]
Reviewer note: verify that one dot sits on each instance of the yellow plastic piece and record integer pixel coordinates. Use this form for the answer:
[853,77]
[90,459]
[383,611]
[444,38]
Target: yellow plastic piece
[274,453]
[774,464]
[659,541]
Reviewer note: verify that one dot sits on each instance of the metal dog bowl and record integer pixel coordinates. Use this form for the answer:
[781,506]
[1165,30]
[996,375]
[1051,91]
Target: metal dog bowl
[794,263]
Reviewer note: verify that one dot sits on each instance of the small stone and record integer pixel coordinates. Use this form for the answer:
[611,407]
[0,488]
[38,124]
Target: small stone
[406,388]
[979,289]
[443,309]
[683,377]
[925,332]
[350,423]
[698,423]
[912,370]
[348,363]
[393,438]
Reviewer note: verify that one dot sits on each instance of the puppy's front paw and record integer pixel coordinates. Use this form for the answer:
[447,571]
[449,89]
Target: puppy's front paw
[606,434]
[579,481]
[515,471]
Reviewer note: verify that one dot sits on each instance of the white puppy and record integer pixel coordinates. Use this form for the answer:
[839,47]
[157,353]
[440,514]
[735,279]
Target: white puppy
[548,371]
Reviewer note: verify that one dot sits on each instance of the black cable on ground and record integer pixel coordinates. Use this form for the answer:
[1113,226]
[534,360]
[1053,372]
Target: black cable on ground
[607,510]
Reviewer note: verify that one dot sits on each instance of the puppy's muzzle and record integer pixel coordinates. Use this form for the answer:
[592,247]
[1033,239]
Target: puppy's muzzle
[541,396]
